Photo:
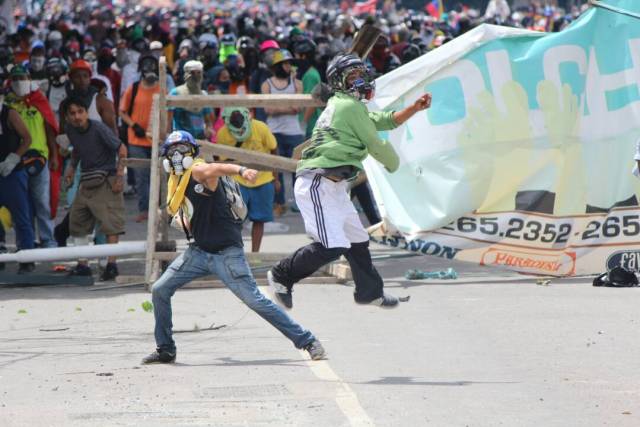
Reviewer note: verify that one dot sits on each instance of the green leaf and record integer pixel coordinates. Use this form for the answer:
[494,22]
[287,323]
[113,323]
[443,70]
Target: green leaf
[22,311]
[147,306]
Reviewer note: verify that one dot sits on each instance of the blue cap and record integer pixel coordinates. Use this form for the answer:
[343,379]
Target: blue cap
[37,44]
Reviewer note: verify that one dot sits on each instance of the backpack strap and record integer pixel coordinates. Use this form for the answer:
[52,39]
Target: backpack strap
[134,92]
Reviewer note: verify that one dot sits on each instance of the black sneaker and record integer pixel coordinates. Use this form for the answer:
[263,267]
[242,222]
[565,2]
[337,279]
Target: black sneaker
[385,301]
[26,267]
[281,293]
[110,272]
[159,356]
[315,350]
[81,270]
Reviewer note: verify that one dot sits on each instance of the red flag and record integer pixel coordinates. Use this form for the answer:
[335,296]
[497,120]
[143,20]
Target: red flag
[435,8]
[367,7]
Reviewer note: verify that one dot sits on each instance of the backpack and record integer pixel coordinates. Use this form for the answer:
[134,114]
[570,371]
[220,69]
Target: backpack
[617,277]
[235,202]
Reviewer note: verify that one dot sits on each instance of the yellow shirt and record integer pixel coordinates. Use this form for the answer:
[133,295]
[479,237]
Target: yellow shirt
[261,140]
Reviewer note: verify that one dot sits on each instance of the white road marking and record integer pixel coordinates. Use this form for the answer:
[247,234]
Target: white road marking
[346,399]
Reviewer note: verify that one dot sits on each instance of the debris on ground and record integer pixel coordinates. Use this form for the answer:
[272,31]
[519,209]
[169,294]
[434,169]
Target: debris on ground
[448,274]
[196,328]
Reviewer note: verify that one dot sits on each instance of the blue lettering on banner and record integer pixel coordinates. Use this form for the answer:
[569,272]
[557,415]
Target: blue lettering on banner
[418,245]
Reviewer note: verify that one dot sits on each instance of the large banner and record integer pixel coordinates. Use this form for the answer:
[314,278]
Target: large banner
[524,159]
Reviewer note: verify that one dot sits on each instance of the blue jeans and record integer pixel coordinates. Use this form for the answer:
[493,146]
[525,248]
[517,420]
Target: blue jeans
[14,194]
[232,268]
[41,205]
[286,145]
[142,176]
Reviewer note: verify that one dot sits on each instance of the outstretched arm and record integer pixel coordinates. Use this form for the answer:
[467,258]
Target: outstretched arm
[421,103]
[208,173]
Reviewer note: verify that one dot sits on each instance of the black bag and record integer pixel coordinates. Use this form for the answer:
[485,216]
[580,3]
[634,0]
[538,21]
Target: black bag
[93,179]
[617,277]
[235,202]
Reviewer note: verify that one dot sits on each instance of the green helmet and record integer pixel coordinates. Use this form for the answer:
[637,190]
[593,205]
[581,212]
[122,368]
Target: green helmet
[238,122]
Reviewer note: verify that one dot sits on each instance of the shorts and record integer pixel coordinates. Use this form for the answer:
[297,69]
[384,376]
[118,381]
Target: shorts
[97,204]
[259,201]
[328,212]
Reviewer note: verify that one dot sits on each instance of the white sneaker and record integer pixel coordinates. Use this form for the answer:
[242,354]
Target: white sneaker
[281,295]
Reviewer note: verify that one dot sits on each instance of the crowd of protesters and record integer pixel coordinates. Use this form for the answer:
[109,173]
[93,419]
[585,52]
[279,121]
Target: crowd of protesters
[78,84]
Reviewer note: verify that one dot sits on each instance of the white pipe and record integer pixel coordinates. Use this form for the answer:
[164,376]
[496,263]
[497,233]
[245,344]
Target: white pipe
[75,252]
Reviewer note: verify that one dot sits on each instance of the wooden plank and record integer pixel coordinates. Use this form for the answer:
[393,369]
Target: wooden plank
[340,270]
[146,164]
[253,258]
[43,279]
[134,280]
[249,101]
[313,280]
[240,155]
[297,152]
[137,163]
[154,190]
[162,100]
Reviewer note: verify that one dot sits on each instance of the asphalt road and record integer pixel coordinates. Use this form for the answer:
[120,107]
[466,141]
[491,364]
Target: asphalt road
[488,349]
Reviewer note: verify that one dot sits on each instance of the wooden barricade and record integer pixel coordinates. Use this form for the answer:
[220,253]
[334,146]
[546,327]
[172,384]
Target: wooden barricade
[157,225]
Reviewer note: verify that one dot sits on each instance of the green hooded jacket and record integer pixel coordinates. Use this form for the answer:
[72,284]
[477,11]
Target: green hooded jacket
[345,133]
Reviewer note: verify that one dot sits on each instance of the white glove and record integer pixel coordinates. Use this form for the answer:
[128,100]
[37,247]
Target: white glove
[63,141]
[9,164]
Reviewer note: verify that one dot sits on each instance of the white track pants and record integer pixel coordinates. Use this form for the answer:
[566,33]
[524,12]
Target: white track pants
[329,215]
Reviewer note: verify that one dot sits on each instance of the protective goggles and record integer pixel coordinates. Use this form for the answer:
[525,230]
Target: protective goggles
[179,148]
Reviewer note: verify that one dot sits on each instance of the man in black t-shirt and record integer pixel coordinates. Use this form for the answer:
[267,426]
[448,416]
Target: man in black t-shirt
[203,201]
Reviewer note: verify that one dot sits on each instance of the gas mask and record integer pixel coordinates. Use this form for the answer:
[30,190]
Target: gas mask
[21,87]
[149,71]
[179,159]
[56,77]
[150,77]
[37,63]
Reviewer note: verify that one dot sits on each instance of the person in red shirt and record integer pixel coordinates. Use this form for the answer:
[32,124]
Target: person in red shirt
[106,58]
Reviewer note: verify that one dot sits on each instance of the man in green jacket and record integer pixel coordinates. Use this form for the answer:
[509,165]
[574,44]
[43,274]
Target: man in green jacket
[344,135]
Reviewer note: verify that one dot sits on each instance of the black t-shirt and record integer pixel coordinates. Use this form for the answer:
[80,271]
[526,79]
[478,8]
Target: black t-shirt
[9,138]
[212,226]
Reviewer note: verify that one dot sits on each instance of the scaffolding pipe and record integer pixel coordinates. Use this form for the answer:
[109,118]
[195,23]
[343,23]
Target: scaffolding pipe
[75,252]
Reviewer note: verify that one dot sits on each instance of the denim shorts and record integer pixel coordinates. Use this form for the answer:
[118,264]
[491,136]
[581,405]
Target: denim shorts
[259,201]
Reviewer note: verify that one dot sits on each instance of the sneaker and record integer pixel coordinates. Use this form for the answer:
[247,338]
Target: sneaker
[385,301]
[81,270]
[110,272]
[26,267]
[281,294]
[159,356]
[315,350]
